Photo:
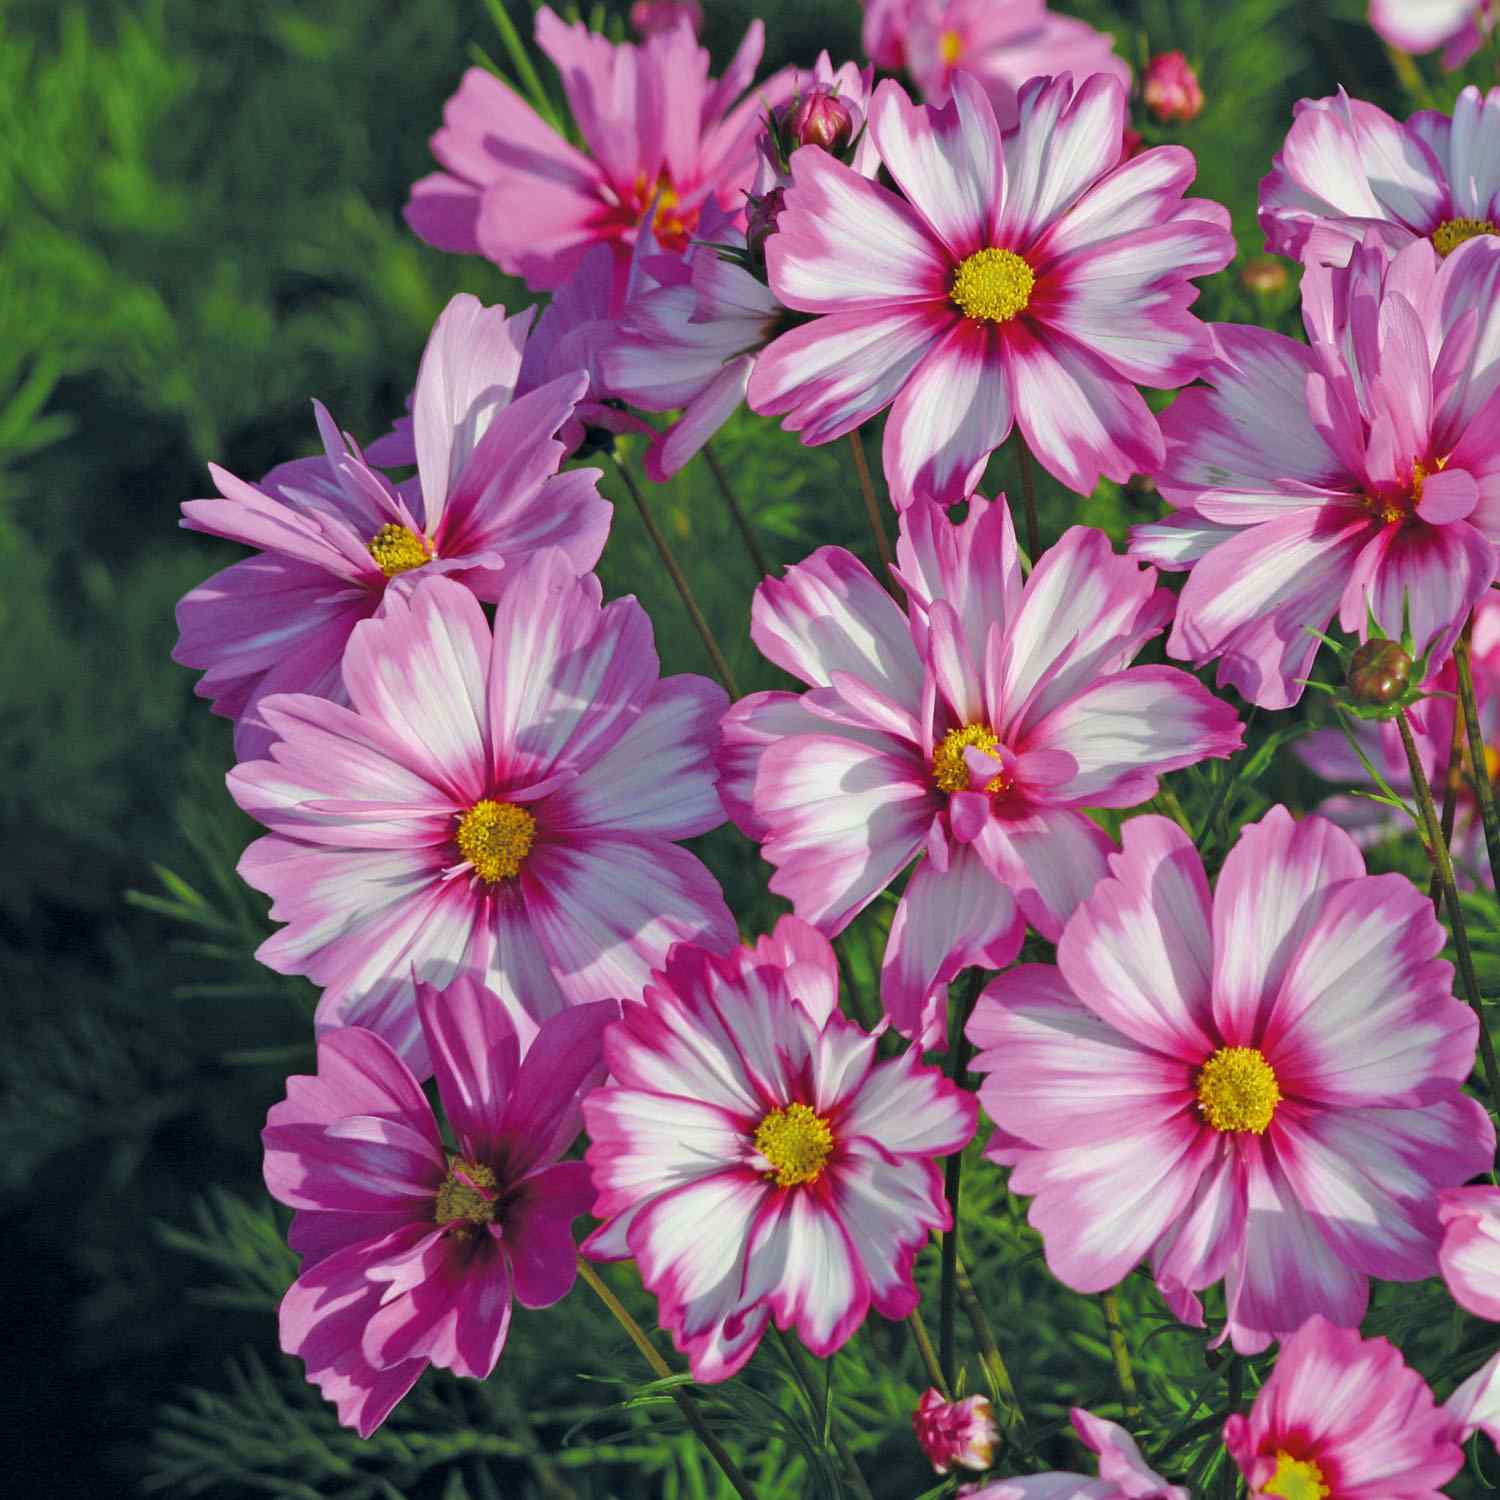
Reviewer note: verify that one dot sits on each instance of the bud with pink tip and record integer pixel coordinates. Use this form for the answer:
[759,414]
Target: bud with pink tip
[1170,88]
[956,1434]
[650,16]
[819,118]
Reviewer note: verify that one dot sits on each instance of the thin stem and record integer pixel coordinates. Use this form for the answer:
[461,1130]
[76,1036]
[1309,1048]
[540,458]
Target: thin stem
[741,520]
[1453,776]
[715,655]
[1479,766]
[1124,1371]
[989,1352]
[1230,1480]
[1028,494]
[820,1407]
[1438,852]
[872,506]
[663,1371]
[1174,809]
[958,1048]
[923,1340]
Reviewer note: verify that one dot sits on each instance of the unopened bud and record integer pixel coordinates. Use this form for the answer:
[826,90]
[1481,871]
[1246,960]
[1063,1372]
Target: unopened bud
[818,118]
[956,1434]
[1170,88]
[650,16]
[761,215]
[1265,274]
[1379,672]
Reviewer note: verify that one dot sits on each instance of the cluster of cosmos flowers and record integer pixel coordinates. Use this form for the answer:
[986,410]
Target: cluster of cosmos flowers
[476,783]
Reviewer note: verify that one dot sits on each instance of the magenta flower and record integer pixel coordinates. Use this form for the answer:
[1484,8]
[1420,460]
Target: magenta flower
[1171,88]
[1025,276]
[757,1160]
[647,17]
[1469,1257]
[1348,172]
[499,803]
[955,1434]
[1344,1418]
[1124,1473]
[411,1255]
[1003,46]
[662,140]
[336,537]
[1265,1087]
[973,730]
[883,33]
[1359,474]
[1457,26]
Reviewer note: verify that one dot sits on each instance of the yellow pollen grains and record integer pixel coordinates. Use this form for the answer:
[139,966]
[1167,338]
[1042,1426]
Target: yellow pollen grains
[993,286]
[1452,233]
[495,837]
[796,1142]
[950,771]
[398,550]
[950,47]
[1296,1479]
[467,1195]
[1237,1090]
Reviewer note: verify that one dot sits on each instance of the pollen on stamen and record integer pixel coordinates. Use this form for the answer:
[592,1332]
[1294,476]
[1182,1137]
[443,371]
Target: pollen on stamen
[797,1142]
[396,549]
[950,771]
[993,286]
[1452,233]
[1237,1090]
[468,1194]
[495,837]
[950,47]
[1296,1479]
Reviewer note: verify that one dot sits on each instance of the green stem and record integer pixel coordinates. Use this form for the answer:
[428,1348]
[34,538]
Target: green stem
[736,511]
[923,1340]
[1478,761]
[1002,1387]
[1437,851]
[959,1052]
[1120,1351]
[1174,809]
[819,1409]
[678,577]
[663,1371]
[1453,775]
[1028,495]
[872,506]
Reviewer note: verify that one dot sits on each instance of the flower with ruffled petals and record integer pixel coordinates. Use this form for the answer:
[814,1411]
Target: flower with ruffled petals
[1457,26]
[1470,1253]
[1003,46]
[1124,1473]
[1359,474]
[1349,172]
[412,1253]
[497,802]
[1263,1087]
[1023,276]
[974,729]
[955,1434]
[1171,88]
[756,1159]
[335,537]
[1328,753]
[662,140]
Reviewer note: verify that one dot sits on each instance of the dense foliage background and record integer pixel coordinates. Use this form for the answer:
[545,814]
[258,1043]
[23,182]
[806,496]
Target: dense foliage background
[199,230]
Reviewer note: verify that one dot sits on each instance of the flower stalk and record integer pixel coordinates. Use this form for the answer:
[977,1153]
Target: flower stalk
[872,507]
[1119,1350]
[737,512]
[1484,789]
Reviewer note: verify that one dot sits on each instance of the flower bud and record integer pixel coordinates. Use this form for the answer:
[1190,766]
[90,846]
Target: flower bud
[650,16]
[761,215]
[1170,88]
[1379,672]
[956,1434]
[818,118]
[1264,274]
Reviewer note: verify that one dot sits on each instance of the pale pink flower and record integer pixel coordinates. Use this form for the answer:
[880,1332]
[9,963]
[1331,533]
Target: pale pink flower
[1470,1254]
[755,1157]
[1359,474]
[1026,276]
[1264,1087]
[1348,172]
[1328,753]
[955,1434]
[499,802]
[650,16]
[1003,46]
[883,34]
[1171,88]
[1345,1418]
[335,537]
[1124,1473]
[1457,26]
[968,734]
[662,139]
[412,1254]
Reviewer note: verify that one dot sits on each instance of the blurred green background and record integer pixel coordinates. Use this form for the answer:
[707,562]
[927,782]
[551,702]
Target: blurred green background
[199,230]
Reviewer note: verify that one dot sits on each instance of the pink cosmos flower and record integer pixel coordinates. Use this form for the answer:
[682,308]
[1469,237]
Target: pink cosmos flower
[1354,475]
[1327,752]
[883,34]
[756,1159]
[1349,171]
[1343,1418]
[500,803]
[1003,46]
[650,16]
[1470,1254]
[1171,88]
[955,1434]
[1124,1473]
[336,537]
[1457,26]
[662,138]
[1265,1087]
[1024,277]
[411,1255]
[972,730]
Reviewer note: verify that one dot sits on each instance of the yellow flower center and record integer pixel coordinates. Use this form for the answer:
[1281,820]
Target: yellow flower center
[398,550]
[467,1195]
[1296,1479]
[950,47]
[796,1142]
[495,837]
[950,771]
[1452,233]
[993,285]
[673,230]
[1237,1090]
